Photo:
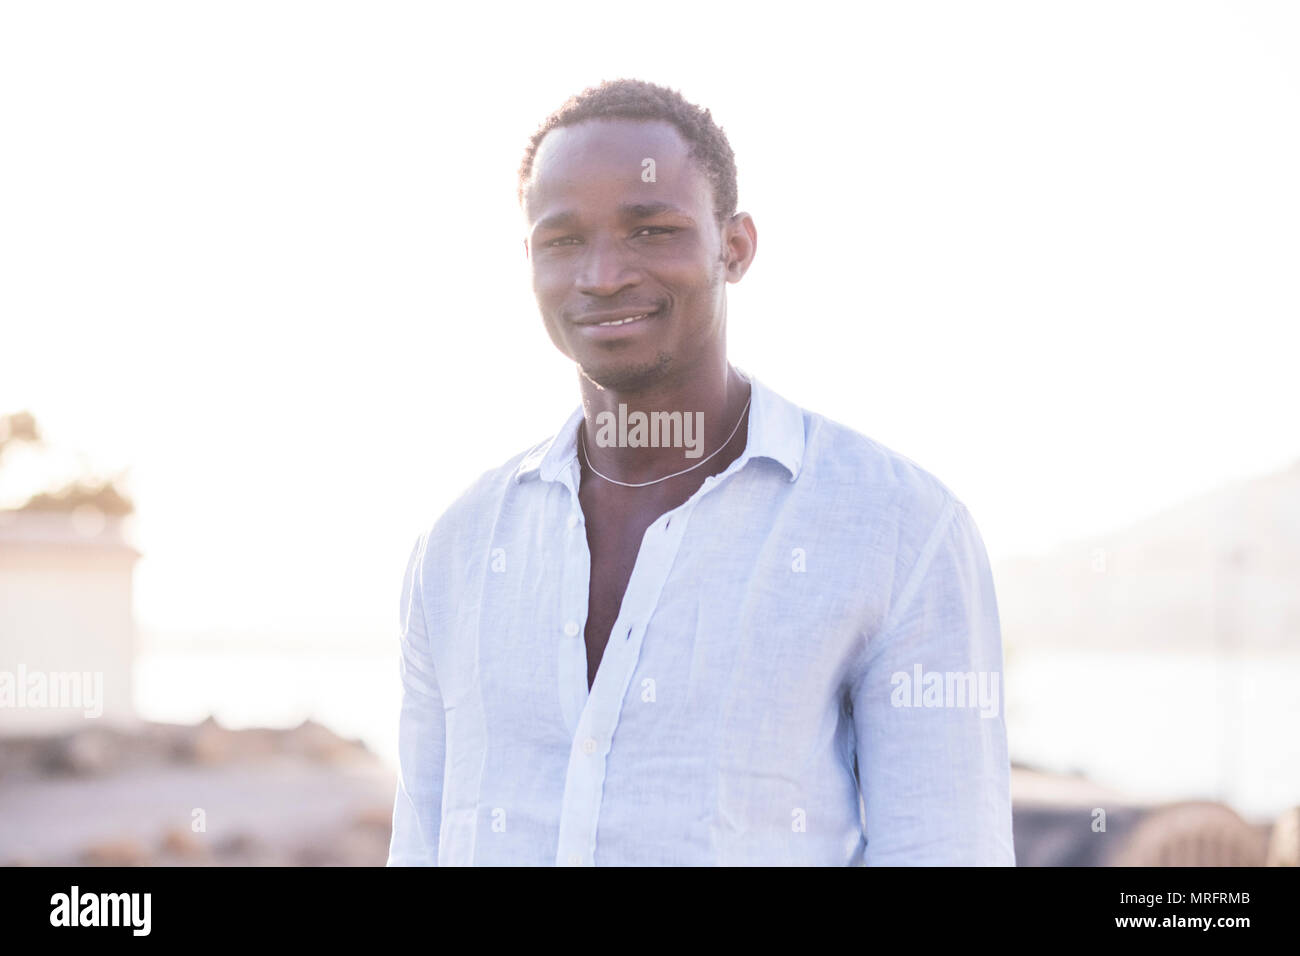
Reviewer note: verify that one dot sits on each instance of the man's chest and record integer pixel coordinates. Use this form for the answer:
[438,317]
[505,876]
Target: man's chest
[614,540]
[721,677]
[718,610]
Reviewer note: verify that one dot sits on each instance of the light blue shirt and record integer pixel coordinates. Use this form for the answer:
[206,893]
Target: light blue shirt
[805,670]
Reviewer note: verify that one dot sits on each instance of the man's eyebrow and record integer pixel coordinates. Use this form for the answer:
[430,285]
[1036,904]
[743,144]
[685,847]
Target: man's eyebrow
[556,220]
[648,210]
[635,210]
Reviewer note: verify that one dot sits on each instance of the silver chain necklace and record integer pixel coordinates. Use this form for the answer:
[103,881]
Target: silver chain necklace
[582,443]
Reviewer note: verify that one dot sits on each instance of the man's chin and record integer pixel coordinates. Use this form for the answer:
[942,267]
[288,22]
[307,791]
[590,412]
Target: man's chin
[627,376]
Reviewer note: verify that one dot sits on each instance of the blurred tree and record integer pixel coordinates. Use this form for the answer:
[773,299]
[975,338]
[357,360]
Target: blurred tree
[101,494]
[18,427]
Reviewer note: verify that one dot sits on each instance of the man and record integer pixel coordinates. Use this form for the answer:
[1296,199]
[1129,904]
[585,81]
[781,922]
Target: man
[770,641]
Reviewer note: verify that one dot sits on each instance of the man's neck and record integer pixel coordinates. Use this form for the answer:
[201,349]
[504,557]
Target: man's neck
[626,436]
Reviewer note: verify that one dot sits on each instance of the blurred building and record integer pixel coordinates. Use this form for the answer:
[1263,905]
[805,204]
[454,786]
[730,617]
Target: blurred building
[1162,658]
[1214,574]
[67,634]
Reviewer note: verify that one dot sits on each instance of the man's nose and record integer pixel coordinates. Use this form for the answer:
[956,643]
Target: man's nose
[607,268]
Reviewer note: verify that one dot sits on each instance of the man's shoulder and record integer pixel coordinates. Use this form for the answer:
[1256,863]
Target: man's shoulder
[856,465]
[884,499]
[485,490]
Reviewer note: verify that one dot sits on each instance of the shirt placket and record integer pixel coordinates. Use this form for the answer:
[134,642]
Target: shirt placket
[599,713]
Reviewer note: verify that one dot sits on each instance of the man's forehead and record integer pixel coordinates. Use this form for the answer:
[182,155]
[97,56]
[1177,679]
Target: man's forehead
[647,158]
[610,140]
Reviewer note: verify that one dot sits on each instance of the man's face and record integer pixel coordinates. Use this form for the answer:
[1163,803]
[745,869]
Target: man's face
[606,245]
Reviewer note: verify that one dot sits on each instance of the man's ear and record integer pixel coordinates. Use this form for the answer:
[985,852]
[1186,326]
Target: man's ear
[740,244]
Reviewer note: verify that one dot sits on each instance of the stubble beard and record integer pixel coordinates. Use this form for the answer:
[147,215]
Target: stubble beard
[632,378]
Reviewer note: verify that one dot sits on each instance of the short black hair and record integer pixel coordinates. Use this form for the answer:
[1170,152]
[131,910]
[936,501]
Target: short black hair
[639,100]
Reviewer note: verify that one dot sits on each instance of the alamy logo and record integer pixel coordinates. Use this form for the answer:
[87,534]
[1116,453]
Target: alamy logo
[55,689]
[102,909]
[655,430]
[946,689]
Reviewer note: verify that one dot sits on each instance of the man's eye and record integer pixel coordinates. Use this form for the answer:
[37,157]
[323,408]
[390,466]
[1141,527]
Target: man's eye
[654,230]
[563,240]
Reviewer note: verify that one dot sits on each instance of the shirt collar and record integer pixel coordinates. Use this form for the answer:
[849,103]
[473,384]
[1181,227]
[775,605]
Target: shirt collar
[776,431]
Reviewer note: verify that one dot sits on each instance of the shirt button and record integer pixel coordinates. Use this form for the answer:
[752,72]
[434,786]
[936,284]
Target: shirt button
[575,859]
[571,629]
[589,745]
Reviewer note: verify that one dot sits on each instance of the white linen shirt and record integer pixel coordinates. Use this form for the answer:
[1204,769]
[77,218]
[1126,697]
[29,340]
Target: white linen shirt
[778,687]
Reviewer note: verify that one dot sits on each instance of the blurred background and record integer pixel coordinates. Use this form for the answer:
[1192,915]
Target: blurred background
[264,313]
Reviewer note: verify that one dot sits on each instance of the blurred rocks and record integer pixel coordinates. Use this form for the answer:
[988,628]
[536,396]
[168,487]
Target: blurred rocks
[1284,841]
[193,795]
[244,849]
[377,818]
[115,853]
[1064,820]
[183,843]
[83,753]
[317,742]
[105,749]
[207,795]
[354,847]
[1194,834]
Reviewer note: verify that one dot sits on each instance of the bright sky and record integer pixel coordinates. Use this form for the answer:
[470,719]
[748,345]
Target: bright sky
[268,255]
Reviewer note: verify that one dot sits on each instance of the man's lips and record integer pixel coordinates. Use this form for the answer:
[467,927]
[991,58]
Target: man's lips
[616,318]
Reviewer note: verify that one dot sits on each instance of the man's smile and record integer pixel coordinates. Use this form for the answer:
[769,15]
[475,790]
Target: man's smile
[604,324]
[634,318]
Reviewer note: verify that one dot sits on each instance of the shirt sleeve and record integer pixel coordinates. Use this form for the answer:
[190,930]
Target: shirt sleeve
[928,709]
[422,734]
